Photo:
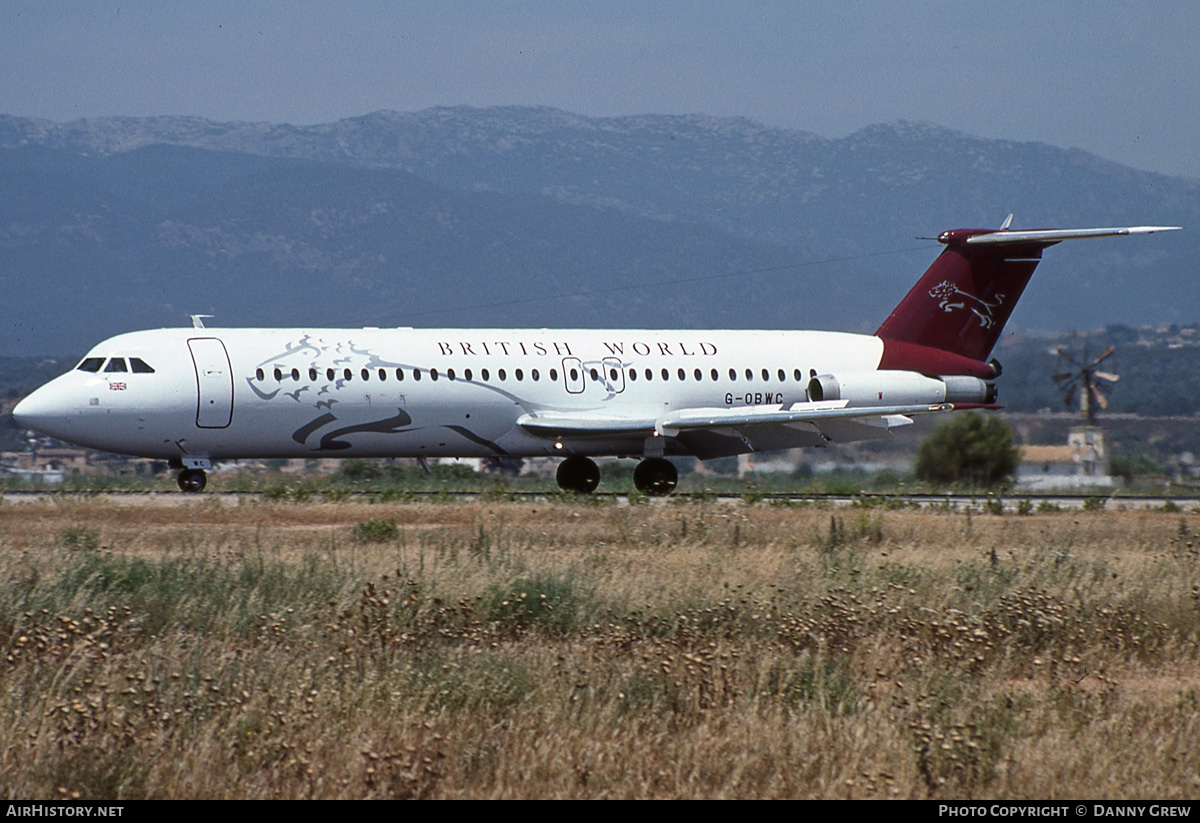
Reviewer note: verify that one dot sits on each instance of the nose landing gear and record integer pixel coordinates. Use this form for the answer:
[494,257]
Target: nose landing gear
[192,481]
[191,477]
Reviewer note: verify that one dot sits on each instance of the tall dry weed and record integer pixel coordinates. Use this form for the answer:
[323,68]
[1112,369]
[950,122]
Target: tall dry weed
[552,649]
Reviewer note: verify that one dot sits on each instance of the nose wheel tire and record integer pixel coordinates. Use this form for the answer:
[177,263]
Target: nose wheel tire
[578,474]
[192,481]
[655,476]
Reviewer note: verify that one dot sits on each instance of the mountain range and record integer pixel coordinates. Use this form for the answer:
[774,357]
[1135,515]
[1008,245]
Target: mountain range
[538,217]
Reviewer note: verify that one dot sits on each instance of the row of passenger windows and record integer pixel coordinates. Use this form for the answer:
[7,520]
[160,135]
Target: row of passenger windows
[115,364]
[434,374]
[574,375]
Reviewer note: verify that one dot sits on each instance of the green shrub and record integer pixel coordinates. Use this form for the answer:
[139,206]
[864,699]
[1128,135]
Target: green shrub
[80,538]
[971,449]
[546,601]
[375,531]
[277,493]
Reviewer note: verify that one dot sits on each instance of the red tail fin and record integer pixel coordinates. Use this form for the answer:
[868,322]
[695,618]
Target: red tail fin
[964,299]
[962,302]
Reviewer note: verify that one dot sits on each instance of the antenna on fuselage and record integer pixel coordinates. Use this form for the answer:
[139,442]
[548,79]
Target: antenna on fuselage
[198,320]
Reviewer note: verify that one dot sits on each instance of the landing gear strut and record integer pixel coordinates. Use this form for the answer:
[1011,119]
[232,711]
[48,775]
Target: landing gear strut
[578,474]
[192,481]
[655,476]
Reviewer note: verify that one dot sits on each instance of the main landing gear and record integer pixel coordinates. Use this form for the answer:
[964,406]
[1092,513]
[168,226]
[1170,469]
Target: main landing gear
[192,481]
[654,476]
[578,474]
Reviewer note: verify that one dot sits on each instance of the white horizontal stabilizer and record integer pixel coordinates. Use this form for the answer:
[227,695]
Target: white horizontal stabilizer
[1048,236]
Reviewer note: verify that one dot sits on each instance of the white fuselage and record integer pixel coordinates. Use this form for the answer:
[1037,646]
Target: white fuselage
[192,396]
[245,393]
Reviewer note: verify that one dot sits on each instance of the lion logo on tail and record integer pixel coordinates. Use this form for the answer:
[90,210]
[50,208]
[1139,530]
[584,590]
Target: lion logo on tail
[951,297]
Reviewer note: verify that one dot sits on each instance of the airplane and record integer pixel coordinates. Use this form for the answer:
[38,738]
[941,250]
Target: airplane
[192,396]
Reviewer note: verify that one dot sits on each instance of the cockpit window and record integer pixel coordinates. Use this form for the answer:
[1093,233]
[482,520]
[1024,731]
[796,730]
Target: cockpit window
[90,364]
[116,364]
[140,366]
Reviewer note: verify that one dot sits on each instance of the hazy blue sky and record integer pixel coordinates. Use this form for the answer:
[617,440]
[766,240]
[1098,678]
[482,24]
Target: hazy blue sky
[1121,80]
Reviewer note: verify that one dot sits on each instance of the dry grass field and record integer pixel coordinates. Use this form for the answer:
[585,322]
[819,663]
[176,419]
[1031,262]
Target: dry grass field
[556,649]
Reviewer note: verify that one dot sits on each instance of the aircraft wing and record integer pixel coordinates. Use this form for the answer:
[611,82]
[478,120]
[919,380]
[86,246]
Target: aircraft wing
[576,424]
[717,432]
[830,410]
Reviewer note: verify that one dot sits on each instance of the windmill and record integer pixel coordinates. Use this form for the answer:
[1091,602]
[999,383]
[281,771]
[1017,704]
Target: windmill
[1084,378]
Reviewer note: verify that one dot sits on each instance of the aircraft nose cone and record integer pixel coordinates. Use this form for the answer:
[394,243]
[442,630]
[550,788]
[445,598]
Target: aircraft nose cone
[26,413]
[43,411]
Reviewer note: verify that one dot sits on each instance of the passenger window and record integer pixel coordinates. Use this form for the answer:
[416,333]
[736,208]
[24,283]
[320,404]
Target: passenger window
[486,376]
[534,374]
[519,374]
[574,375]
[295,373]
[502,375]
[633,374]
[782,376]
[278,375]
[329,373]
[140,366]
[366,374]
[766,374]
[92,364]
[594,374]
[399,374]
[612,374]
[749,374]
[116,364]
[346,375]
[450,373]
[312,374]
[433,374]
[732,374]
[258,374]
[682,374]
[467,374]
[799,375]
[715,376]
[416,374]
[666,375]
[699,375]
[383,374]
[554,375]
[649,374]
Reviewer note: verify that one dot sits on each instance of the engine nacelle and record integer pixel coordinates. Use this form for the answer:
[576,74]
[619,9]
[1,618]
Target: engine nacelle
[900,388]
